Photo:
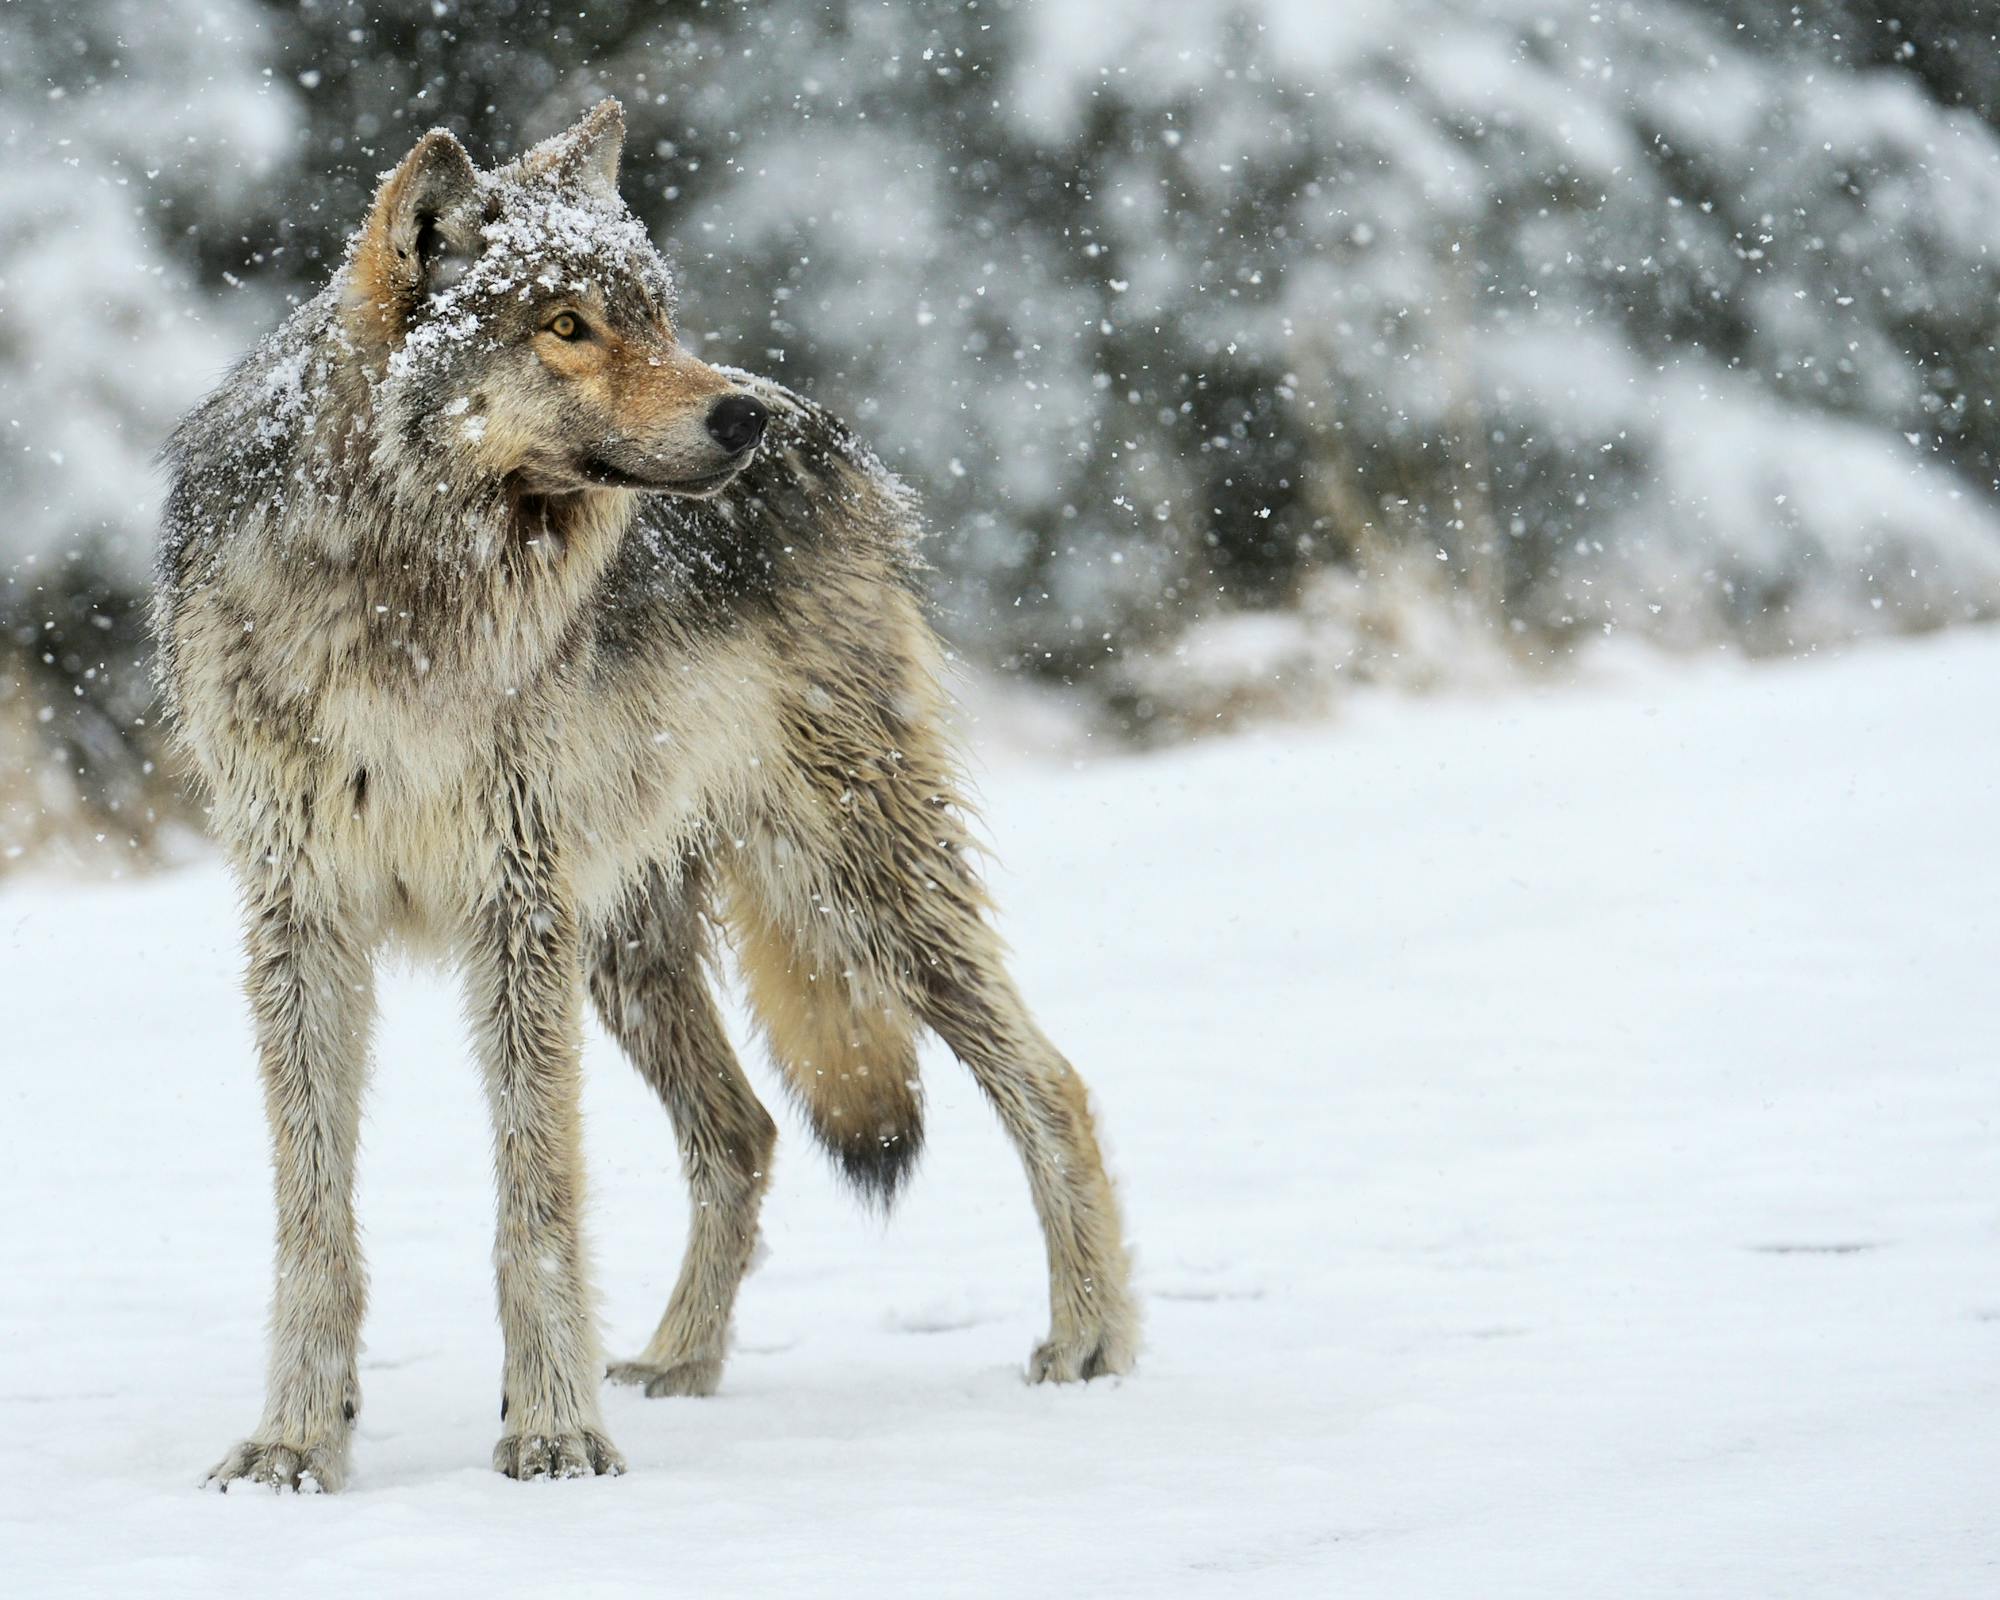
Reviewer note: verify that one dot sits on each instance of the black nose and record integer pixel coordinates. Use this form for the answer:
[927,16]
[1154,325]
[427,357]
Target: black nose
[736,422]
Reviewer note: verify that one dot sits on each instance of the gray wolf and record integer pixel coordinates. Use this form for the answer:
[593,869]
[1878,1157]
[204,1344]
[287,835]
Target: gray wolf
[494,623]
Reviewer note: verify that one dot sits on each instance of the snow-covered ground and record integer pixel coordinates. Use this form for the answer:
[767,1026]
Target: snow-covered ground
[1557,1130]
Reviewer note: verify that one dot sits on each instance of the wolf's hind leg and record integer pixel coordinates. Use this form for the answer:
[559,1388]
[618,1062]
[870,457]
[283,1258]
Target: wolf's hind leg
[968,998]
[648,975]
[928,910]
[889,906]
[311,988]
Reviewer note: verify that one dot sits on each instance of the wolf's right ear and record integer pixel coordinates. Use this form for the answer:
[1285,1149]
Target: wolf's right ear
[422,232]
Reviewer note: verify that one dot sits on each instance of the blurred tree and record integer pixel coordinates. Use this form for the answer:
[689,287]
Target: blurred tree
[1557,317]
[143,146]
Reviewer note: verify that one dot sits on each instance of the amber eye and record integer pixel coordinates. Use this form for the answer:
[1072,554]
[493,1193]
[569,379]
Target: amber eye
[566,326]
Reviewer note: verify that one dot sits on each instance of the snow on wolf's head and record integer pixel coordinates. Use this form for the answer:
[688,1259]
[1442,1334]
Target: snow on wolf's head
[520,322]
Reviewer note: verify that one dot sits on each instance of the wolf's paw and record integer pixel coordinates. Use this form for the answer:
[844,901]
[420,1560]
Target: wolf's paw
[1099,1351]
[701,1375]
[583,1454]
[271,1464]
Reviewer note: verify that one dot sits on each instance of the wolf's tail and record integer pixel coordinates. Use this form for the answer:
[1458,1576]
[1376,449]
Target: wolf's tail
[849,1058]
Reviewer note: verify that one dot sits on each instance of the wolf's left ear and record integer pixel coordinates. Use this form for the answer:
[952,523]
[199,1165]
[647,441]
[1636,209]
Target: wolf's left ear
[586,154]
[423,230]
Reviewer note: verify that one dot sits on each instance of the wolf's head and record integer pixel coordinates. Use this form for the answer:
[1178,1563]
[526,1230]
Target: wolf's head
[521,321]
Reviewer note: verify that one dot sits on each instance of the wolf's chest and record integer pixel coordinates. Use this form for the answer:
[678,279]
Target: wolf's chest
[623,769]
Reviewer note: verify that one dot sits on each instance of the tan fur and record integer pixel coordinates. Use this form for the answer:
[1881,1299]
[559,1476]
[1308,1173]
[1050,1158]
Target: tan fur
[443,690]
[645,383]
[847,1048]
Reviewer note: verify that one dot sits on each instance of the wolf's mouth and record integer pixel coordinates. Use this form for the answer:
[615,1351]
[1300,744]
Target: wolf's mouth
[598,471]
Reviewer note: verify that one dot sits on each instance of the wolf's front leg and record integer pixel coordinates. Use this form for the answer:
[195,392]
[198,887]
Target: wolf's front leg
[526,984]
[311,987]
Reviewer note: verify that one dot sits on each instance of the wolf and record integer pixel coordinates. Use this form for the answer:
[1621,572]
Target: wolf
[495,624]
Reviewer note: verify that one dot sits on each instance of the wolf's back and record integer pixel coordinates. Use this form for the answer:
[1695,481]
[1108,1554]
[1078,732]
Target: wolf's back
[813,503]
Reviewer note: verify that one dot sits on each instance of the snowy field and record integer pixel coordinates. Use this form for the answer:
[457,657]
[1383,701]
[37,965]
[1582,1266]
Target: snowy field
[1557,1131]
